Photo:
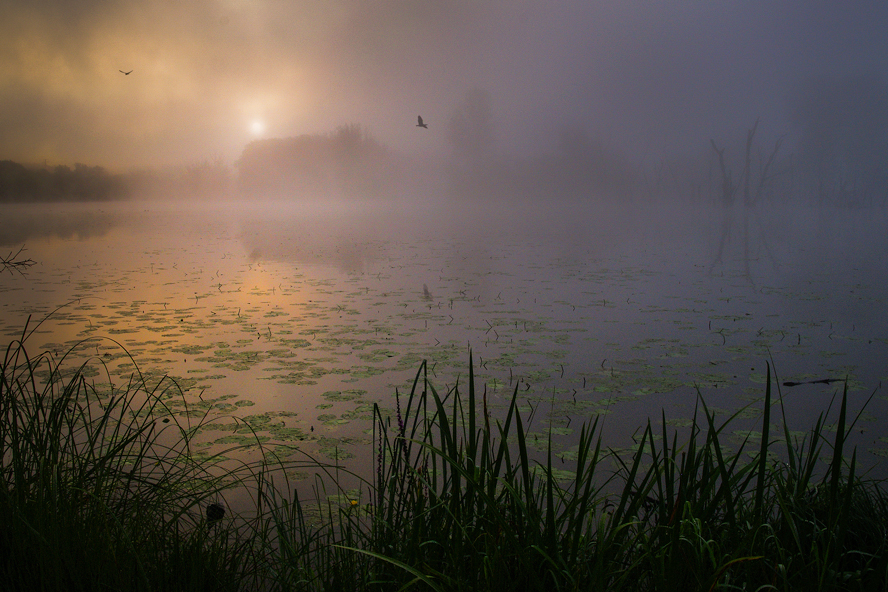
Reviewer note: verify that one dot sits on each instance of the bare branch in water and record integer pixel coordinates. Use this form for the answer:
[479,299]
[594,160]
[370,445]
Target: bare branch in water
[14,262]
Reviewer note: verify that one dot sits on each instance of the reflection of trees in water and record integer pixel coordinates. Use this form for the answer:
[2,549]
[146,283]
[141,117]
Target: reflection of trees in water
[752,193]
[349,245]
[33,224]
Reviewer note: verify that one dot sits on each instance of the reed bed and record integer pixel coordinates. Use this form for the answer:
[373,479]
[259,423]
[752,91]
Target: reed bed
[100,488]
[459,504]
[97,495]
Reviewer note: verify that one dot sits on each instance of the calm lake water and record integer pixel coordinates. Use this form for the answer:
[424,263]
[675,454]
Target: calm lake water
[296,318]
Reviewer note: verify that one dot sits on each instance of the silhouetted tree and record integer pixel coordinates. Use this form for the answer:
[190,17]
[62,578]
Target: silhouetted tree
[752,192]
[348,161]
[470,129]
[470,133]
[16,182]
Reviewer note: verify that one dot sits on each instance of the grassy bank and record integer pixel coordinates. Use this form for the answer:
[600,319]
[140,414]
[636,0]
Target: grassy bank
[102,489]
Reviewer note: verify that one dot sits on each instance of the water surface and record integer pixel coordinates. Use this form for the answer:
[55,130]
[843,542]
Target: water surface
[298,317]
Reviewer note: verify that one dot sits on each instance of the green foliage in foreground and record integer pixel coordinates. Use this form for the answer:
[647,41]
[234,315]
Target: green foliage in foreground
[98,493]
[458,504]
[100,489]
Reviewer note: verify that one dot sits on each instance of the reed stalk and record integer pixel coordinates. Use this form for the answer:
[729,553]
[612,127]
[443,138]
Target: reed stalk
[100,488]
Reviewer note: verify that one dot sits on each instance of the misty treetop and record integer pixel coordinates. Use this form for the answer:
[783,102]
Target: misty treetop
[834,152]
[348,161]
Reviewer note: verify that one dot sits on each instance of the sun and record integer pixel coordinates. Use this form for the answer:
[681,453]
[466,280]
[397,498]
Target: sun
[257,127]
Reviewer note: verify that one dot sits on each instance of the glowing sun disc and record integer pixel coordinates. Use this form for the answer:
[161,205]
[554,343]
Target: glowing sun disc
[257,126]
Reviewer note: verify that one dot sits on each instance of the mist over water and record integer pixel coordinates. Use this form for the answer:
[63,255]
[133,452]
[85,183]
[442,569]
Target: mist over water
[303,315]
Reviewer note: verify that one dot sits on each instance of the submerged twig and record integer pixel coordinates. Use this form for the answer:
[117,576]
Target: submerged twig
[12,262]
[821,381]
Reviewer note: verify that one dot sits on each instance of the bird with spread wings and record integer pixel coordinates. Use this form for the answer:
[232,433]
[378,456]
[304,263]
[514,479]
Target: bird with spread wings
[421,124]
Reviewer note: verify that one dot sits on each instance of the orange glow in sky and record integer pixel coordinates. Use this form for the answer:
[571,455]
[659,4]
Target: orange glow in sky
[257,127]
[649,75]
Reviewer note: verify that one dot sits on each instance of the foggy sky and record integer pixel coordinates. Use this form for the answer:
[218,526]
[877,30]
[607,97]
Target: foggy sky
[650,76]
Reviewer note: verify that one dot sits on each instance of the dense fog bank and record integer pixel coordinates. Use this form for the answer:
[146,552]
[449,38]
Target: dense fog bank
[830,148]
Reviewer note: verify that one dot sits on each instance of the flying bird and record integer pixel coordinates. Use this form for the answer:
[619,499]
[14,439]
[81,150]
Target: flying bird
[125,73]
[421,124]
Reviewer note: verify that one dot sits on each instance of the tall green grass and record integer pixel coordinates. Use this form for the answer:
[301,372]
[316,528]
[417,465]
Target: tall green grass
[97,494]
[458,503]
[101,490]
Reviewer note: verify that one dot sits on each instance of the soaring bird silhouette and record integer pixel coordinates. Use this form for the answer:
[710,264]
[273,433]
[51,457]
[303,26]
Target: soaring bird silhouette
[421,124]
[125,73]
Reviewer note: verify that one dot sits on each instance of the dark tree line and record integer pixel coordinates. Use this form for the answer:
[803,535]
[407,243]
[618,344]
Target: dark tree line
[578,166]
[347,162]
[18,183]
[82,183]
[834,151]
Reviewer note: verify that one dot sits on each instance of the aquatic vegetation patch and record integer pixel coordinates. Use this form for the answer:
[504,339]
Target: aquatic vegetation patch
[333,448]
[366,371]
[244,442]
[191,349]
[377,355]
[346,395]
